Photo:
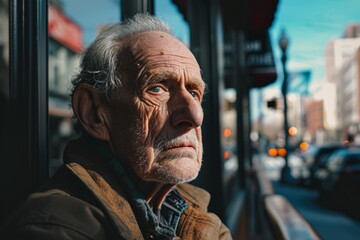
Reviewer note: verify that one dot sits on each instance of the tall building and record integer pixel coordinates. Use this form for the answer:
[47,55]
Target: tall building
[321,118]
[315,116]
[338,52]
[352,31]
[343,68]
[348,100]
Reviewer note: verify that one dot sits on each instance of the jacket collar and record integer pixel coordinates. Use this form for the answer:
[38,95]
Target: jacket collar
[96,166]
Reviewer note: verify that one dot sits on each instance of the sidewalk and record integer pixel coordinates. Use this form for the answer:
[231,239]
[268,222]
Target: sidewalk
[330,225]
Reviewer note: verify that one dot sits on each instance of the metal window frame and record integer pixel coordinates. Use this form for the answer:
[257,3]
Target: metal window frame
[131,7]
[29,90]
[205,43]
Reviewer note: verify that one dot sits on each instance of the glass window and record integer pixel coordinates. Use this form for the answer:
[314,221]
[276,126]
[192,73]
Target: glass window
[4,50]
[73,25]
[4,75]
[228,126]
[229,122]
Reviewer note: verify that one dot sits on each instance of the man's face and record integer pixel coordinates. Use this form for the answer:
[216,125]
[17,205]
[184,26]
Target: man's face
[156,114]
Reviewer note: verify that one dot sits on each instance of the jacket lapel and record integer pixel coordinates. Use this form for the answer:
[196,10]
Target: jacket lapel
[113,204]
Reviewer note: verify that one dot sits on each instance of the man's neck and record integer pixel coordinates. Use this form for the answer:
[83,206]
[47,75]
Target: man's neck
[155,193]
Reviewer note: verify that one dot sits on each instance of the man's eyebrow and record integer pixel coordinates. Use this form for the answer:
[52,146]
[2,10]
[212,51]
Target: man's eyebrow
[151,77]
[154,77]
[198,83]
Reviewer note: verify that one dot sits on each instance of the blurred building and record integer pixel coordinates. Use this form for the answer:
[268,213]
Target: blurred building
[321,116]
[65,44]
[343,69]
[338,52]
[348,100]
[352,31]
[296,116]
[315,116]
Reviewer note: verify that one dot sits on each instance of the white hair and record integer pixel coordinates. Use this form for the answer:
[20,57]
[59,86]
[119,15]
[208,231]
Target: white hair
[99,62]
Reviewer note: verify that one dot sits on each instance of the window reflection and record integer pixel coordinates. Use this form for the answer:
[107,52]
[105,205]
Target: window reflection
[4,51]
[4,77]
[72,25]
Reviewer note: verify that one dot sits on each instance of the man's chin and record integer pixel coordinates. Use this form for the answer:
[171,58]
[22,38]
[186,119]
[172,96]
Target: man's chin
[175,172]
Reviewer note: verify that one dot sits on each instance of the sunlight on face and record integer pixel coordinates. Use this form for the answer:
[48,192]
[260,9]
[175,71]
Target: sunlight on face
[160,137]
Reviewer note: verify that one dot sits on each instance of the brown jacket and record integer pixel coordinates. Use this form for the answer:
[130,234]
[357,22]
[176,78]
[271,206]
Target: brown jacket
[84,201]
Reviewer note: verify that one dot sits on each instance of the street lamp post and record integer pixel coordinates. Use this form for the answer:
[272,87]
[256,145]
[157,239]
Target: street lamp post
[283,43]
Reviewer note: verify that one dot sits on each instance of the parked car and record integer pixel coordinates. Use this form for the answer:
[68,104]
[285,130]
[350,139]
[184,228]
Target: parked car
[320,170]
[340,183]
[314,158]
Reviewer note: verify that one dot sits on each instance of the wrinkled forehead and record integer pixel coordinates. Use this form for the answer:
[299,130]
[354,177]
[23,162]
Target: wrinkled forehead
[157,48]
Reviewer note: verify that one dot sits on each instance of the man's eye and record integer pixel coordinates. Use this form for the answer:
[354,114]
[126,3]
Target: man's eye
[194,94]
[156,89]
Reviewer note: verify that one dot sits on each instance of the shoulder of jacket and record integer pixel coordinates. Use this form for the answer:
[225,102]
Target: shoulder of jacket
[195,196]
[59,209]
[197,222]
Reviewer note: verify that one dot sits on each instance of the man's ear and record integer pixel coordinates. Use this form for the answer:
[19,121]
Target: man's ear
[90,111]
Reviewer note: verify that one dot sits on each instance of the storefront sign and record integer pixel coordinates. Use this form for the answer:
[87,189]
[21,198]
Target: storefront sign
[64,30]
[259,59]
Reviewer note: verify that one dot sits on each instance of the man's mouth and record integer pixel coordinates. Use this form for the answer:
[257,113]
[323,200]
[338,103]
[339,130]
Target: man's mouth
[187,142]
[180,146]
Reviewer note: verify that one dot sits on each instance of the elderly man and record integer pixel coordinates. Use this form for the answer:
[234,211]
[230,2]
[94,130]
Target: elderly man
[137,99]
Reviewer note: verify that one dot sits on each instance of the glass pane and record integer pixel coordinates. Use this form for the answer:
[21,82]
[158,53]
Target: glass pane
[72,26]
[168,11]
[228,119]
[228,126]
[4,51]
[4,75]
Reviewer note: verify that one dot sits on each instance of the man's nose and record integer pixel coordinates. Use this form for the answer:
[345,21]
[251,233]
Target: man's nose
[187,111]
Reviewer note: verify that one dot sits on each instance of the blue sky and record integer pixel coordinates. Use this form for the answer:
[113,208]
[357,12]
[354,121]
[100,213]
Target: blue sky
[91,13]
[311,24]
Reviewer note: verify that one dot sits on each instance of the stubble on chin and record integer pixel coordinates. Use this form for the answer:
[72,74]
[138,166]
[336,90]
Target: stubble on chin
[159,165]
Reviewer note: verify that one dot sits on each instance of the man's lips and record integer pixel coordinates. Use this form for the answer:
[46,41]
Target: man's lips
[181,143]
[180,146]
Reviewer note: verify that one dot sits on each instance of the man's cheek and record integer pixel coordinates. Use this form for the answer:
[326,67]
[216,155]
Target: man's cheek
[157,112]
[156,120]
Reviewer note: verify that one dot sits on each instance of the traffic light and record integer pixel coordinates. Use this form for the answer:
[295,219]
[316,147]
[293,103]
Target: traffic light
[273,103]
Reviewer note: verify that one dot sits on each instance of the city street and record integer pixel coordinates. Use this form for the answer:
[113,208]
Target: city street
[330,224]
